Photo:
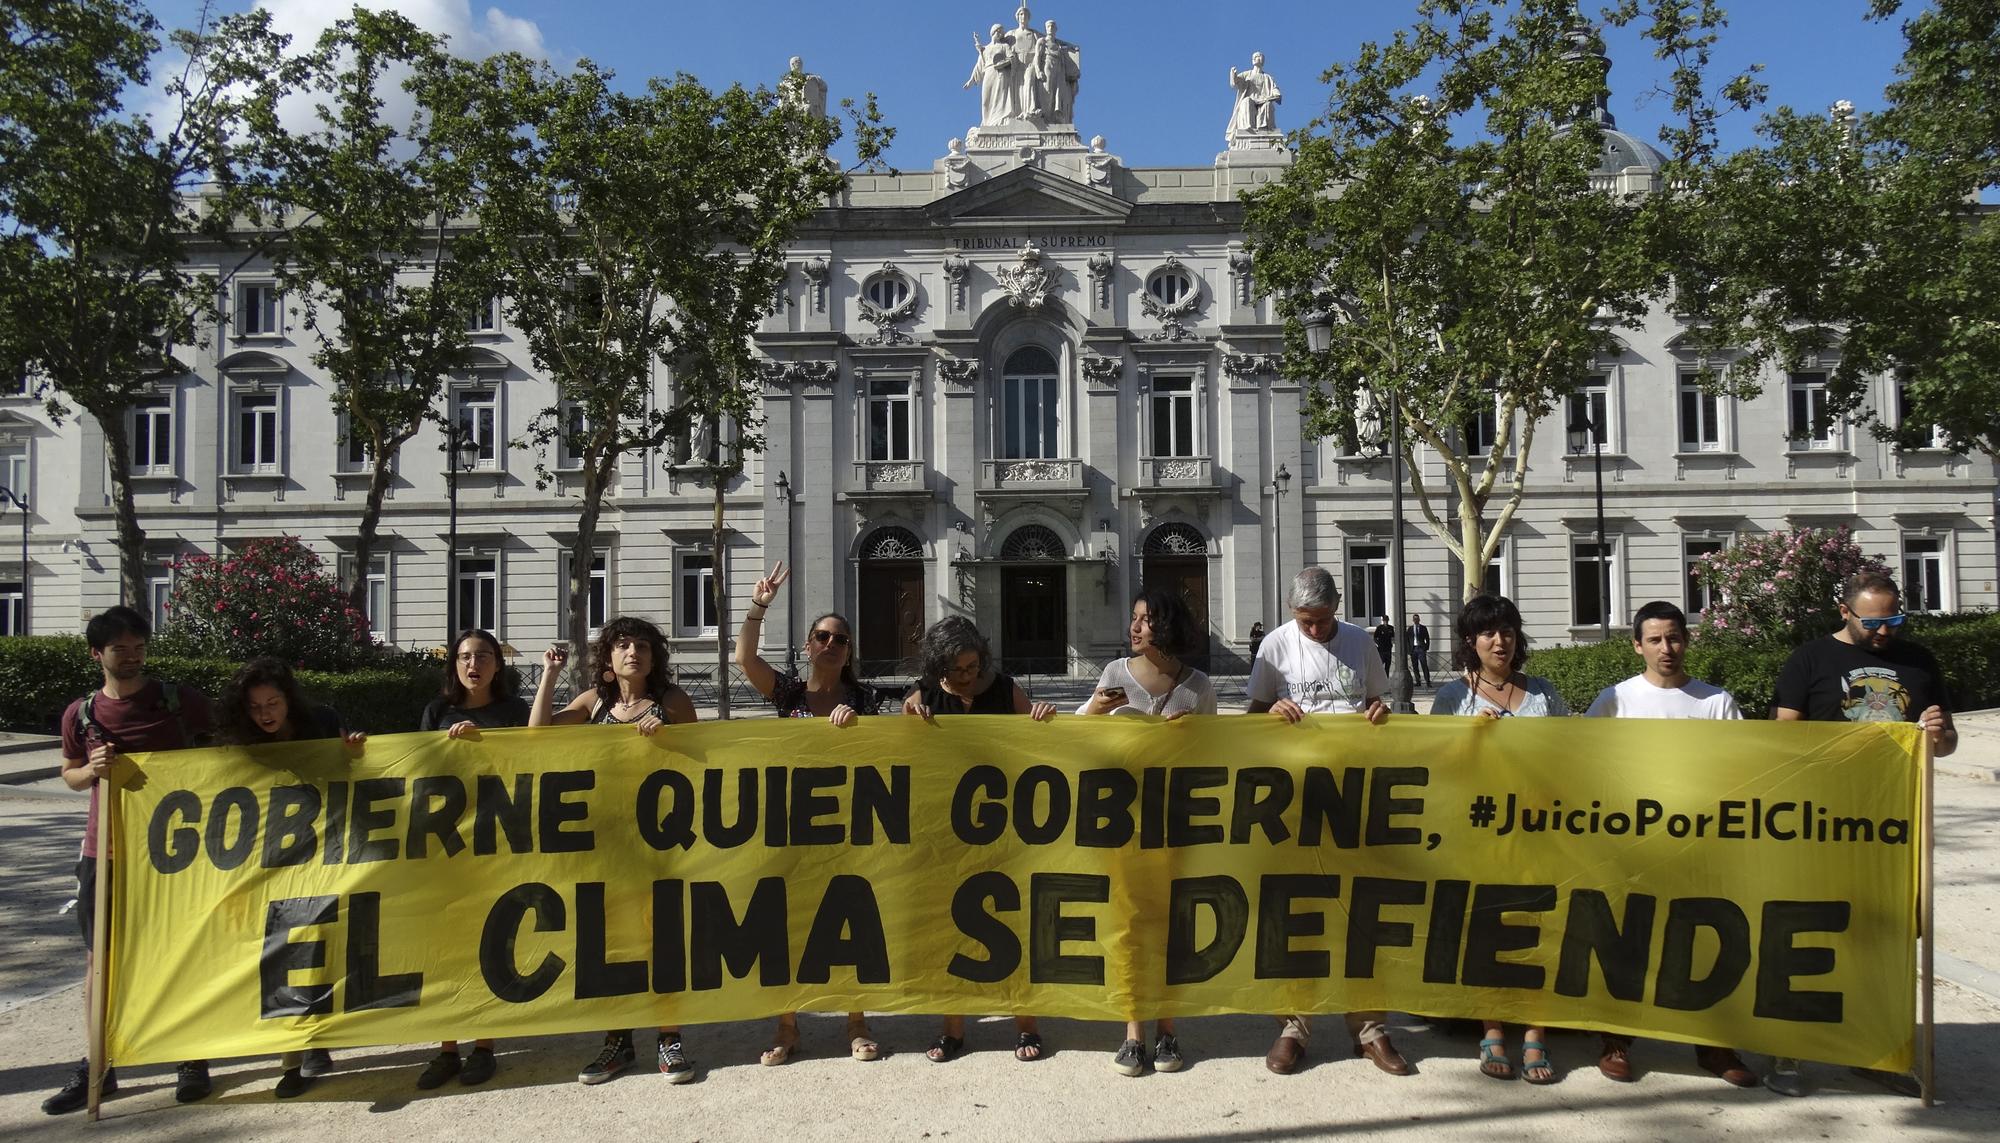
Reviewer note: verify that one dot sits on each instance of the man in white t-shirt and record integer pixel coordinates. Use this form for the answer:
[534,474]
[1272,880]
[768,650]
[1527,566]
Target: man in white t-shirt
[1664,690]
[1318,665]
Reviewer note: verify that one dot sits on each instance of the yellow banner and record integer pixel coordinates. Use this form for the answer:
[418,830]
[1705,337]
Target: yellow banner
[1741,883]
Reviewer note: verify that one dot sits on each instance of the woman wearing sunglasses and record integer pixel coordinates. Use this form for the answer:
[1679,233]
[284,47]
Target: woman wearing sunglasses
[832,691]
[1488,650]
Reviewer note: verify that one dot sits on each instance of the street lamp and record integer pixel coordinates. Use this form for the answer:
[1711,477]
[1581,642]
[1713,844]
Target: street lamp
[460,452]
[785,497]
[1585,432]
[9,496]
[1280,481]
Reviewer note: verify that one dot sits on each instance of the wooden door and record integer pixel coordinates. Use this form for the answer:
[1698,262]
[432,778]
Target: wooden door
[1034,620]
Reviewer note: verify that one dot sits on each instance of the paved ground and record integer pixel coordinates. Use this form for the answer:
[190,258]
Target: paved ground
[1225,1096]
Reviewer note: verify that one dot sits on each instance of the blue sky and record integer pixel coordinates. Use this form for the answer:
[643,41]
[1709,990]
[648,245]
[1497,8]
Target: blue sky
[1155,75]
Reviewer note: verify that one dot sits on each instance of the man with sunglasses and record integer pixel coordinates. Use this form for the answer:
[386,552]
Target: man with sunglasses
[1864,672]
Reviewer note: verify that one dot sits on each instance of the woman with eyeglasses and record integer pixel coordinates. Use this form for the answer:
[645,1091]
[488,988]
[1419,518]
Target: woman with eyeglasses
[958,677]
[481,692]
[830,690]
[1155,680]
[1488,649]
[629,667]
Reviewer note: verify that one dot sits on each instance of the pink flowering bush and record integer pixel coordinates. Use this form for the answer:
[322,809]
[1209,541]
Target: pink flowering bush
[272,598]
[1781,587]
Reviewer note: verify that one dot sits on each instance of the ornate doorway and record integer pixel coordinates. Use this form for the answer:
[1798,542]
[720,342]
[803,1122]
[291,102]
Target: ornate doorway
[1034,603]
[1176,561]
[891,619]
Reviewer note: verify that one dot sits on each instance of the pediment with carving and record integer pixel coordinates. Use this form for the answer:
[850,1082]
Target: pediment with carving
[1029,193]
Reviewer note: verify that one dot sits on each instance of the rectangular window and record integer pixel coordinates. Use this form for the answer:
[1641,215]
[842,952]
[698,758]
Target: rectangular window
[479,592]
[13,605]
[1367,582]
[1029,418]
[1494,581]
[1590,402]
[355,455]
[152,436]
[374,605]
[1699,596]
[14,471]
[889,409]
[1811,426]
[1923,574]
[484,317]
[1481,431]
[479,423]
[694,610]
[1173,416]
[575,431]
[1701,421]
[259,310]
[256,432]
[1594,582]
[1935,438]
[599,596]
[159,593]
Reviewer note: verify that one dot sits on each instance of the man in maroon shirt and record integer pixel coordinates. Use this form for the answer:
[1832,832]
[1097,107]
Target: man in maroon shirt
[131,713]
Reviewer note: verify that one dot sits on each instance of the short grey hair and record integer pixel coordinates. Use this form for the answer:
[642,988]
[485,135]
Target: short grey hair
[1313,589]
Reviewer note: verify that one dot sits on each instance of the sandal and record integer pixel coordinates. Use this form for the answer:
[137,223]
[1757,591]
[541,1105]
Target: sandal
[944,1049]
[1493,1059]
[1028,1047]
[784,1049]
[1542,1071]
[860,1044]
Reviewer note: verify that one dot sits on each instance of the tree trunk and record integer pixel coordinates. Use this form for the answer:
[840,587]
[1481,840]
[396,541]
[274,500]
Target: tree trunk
[371,520]
[597,475]
[131,538]
[715,584]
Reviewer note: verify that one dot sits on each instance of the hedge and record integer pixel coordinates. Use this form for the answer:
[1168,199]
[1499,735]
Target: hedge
[41,674]
[1967,646]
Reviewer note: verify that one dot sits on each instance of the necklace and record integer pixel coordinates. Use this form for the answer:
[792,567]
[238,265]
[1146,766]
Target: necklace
[1500,689]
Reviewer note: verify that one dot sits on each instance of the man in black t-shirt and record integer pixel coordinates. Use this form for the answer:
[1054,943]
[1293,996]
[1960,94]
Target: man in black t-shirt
[1863,672]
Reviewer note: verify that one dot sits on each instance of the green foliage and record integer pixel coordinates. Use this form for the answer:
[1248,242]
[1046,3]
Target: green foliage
[1580,671]
[272,598]
[1967,646]
[40,675]
[1442,223]
[1781,587]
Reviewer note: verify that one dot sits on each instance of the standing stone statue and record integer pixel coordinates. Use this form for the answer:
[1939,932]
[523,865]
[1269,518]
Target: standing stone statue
[1257,98]
[1057,74]
[998,75]
[1027,45]
[804,89]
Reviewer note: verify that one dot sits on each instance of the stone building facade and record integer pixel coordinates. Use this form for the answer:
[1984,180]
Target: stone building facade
[1020,385]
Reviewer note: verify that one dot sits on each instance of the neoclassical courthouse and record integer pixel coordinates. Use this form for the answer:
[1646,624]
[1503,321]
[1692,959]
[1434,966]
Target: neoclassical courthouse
[1019,385]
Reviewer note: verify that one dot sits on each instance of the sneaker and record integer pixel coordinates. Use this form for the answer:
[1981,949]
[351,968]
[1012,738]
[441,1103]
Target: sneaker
[1167,1053]
[191,1081]
[674,1063]
[292,1084]
[479,1067]
[616,1057]
[76,1093]
[315,1062]
[442,1067]
[1784,1077]
[1130,1060]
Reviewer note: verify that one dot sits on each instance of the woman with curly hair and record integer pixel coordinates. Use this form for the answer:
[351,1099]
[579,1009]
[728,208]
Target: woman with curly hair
[1489,648]
[958,677]
[629,666]
[261,704]
[830,690]
[1155,680]
[481,691]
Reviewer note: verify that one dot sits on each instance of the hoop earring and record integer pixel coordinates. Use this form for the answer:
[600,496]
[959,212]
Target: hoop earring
[609,677]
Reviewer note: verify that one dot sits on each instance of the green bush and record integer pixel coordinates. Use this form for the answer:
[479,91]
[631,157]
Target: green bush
[271,598]
[1967,646]
[40,675]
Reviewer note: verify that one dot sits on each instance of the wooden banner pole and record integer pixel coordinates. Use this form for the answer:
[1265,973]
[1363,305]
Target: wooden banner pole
[1926,896]
[100,937]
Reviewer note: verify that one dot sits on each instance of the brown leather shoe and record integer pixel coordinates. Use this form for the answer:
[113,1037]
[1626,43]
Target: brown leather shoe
[1616,1063]
[1727,1064]
[1384,1055]
[1285,1054]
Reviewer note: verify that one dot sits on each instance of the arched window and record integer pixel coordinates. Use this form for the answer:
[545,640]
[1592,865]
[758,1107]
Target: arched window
[1032,542]
[892,543]
[1176,540]
[1030,390]
[1170,283]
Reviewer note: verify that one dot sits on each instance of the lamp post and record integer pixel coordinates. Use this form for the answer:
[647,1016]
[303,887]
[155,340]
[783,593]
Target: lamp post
[1280,480]
[460,451]
[9,496]
[785,497]
[1585,432]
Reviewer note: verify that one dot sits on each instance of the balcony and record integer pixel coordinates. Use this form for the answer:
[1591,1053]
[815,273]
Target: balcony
[1176,472]
[890,476]
[1053,474]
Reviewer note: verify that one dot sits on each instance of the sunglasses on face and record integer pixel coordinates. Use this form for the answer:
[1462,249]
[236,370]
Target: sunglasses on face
[823,636]
[1890,621]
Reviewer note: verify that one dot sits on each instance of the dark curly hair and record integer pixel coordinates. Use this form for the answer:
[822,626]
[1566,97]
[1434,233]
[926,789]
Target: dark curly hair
[506,680]
[658,683]
[946,640]
[1483,613]
[235,727]
[1174,629]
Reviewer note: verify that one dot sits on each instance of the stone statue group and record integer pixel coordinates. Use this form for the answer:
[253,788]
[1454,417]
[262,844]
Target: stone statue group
[1025,75]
